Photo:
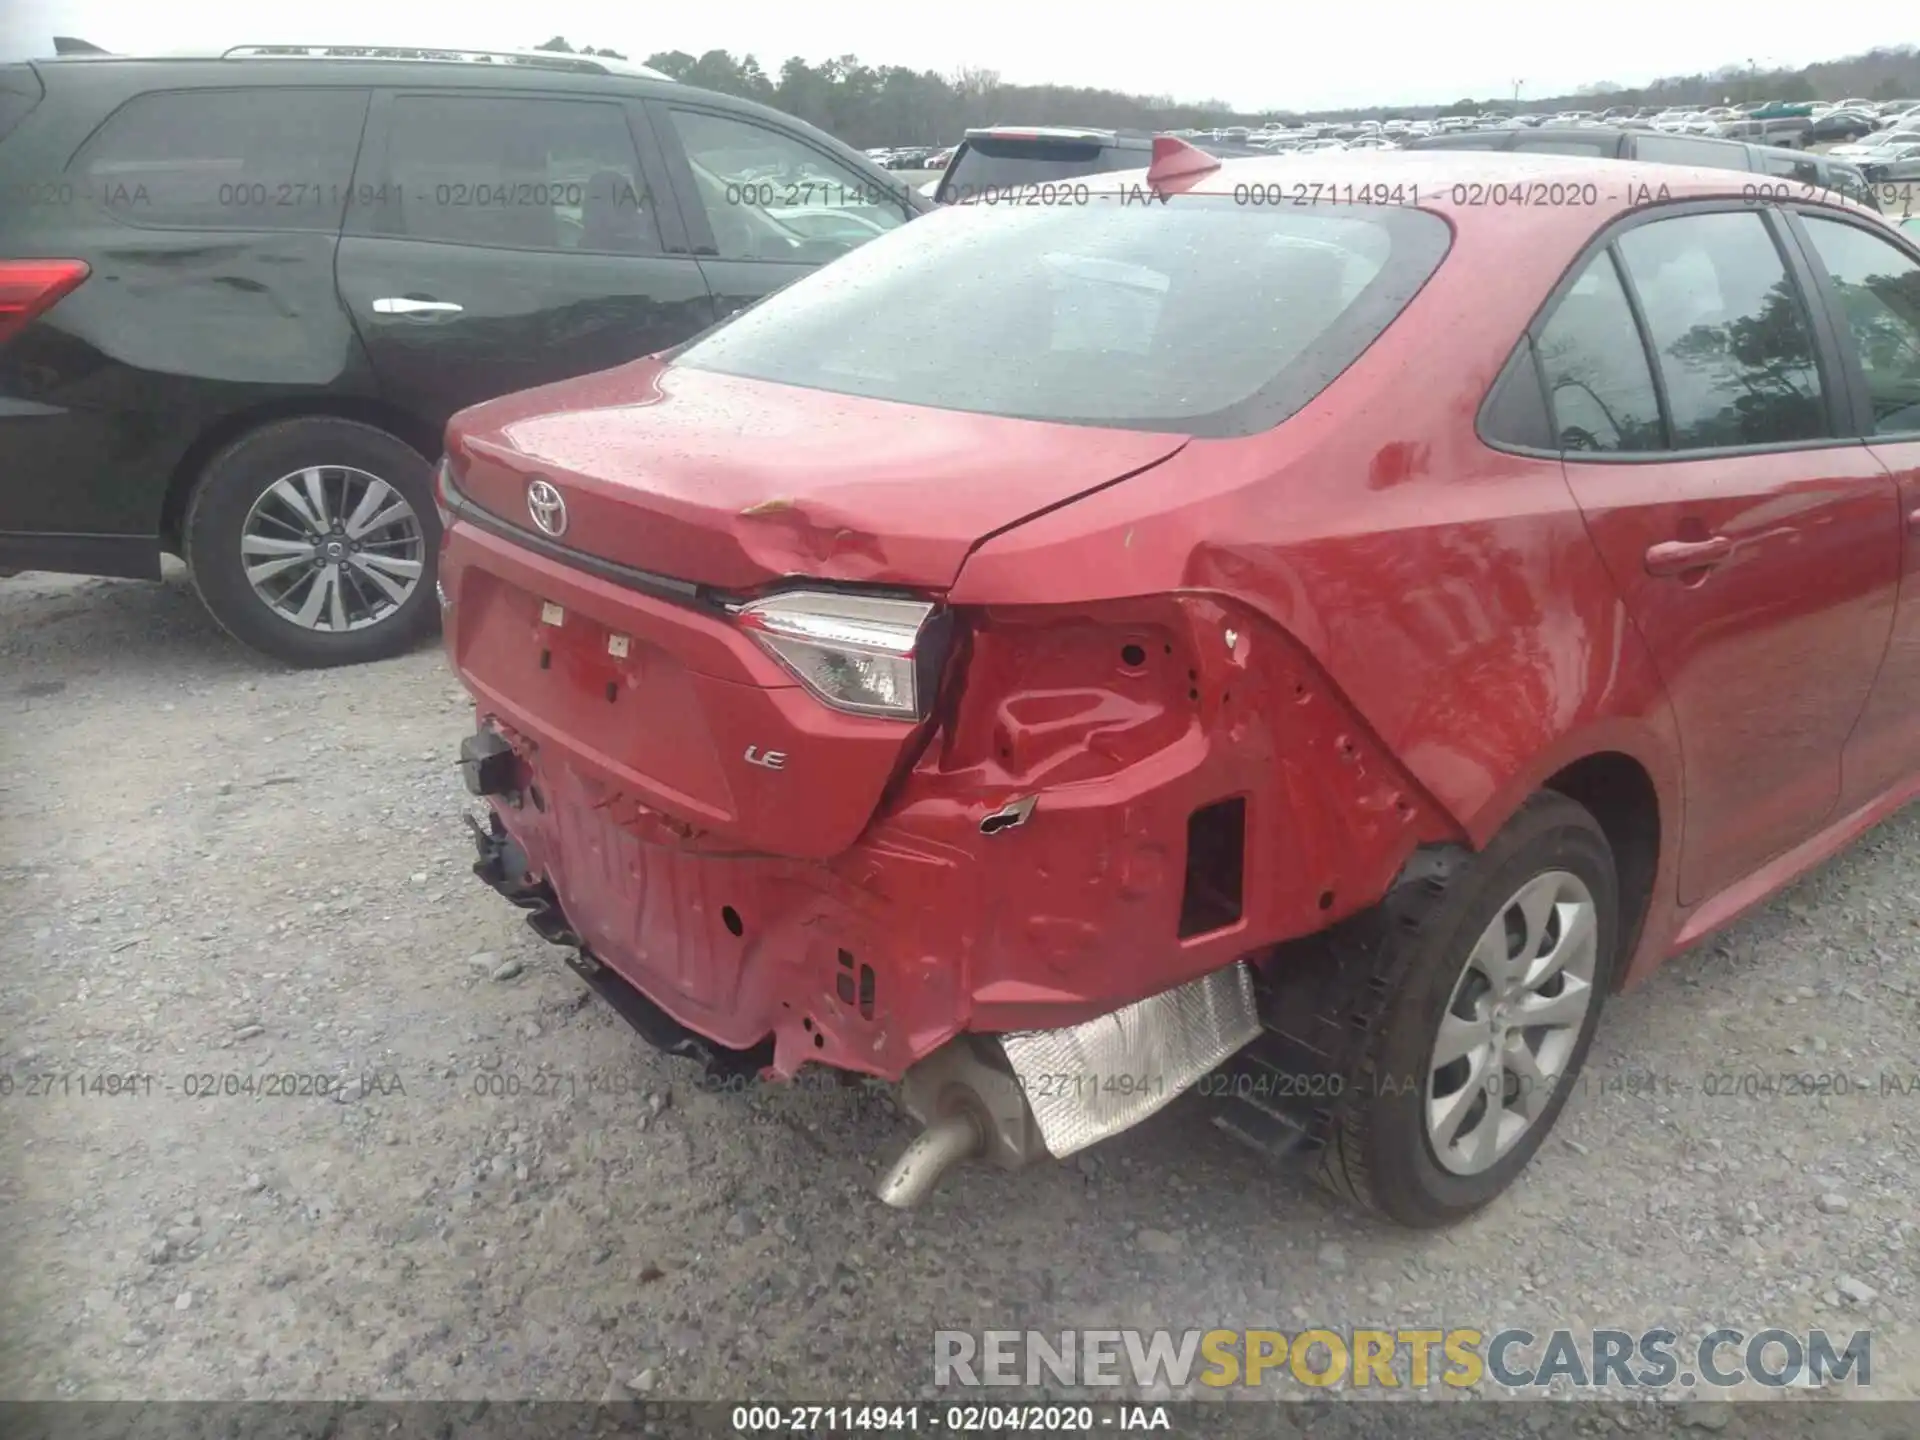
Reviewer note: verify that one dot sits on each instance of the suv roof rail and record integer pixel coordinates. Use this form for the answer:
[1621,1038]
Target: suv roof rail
[550,59]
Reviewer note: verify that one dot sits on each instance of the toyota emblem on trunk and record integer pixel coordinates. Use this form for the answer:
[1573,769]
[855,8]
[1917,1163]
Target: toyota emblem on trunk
[547,506]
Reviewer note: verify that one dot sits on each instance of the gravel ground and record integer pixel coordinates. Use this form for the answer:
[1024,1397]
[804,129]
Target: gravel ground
[213,868]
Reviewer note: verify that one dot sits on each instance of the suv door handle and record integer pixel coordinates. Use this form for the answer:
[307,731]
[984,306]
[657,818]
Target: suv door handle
[1677,557]
[402,305]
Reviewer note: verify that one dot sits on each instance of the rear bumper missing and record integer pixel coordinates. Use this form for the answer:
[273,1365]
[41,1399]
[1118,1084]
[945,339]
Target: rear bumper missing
[1009,1098]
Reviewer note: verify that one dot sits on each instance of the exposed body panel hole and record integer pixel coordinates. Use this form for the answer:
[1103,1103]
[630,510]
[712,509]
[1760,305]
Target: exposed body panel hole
[730,917]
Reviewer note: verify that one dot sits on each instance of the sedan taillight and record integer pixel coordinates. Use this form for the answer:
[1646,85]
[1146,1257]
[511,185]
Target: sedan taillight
[864,654]
[29,287]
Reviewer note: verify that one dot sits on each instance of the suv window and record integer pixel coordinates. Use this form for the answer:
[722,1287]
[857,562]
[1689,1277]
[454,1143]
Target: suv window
[1791,165]
[1729,331]
[1200,317]
[771,196]
[1663,149]
[1599,385]
[518,173]
[1879,288]
[261,159]
[1561,143]
[986,163]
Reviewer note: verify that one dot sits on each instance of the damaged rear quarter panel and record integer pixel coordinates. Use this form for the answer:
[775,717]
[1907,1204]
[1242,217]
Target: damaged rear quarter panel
[1397,588]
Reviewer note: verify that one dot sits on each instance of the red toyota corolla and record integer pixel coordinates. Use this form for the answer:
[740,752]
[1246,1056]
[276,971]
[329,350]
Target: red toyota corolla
[1301,635]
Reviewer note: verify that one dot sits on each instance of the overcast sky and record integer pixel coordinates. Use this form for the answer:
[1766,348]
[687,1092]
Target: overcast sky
[1255,54]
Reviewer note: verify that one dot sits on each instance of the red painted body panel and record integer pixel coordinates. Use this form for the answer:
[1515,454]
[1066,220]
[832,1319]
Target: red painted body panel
[1881,750]
[732,483]
[1368,624]
[1768,657]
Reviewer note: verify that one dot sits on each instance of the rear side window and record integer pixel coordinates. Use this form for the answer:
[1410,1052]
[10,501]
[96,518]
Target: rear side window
[1599,385]
[1729,331]
[1198,316]
[771,196]
[517,173]
[990,164]
[20,91]
[260,159]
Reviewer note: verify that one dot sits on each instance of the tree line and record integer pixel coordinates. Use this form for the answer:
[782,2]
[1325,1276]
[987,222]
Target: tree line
[869,105]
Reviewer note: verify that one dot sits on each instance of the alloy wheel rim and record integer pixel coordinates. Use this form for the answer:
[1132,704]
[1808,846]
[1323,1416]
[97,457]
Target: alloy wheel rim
[332,548]
[1507,1035]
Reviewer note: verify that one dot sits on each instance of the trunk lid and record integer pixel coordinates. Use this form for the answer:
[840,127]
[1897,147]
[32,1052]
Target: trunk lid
[730,483]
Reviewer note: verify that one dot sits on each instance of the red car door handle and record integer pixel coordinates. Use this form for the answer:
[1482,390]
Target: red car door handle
[1677,557]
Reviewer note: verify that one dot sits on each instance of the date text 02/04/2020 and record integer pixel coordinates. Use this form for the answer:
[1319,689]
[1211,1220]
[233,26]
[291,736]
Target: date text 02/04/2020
[950,1419]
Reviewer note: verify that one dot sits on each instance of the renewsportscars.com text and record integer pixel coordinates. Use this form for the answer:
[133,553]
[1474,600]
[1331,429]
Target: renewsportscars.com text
[1409,1358]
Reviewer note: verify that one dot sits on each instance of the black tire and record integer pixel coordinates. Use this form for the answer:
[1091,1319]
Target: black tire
[241,473]
[1397,965]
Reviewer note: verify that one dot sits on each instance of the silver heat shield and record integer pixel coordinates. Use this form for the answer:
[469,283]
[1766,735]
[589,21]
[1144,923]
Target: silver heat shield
[1089,1081]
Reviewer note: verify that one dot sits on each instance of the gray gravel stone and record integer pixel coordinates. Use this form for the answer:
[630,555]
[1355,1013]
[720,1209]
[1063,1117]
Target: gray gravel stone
[1856,1292]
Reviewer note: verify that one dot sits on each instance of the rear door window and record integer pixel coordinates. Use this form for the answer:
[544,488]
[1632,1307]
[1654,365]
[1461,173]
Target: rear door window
[1729,331]
[1199,316]
[517,173]
[1599,385]
[1879,290]
[257,159]
[989,163]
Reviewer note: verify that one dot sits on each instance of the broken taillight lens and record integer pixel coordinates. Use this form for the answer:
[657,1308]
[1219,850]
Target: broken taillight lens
[29,287]
[858,653]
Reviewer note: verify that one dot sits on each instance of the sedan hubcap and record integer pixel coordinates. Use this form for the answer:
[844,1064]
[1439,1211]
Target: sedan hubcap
[1511,1024]
[332,548]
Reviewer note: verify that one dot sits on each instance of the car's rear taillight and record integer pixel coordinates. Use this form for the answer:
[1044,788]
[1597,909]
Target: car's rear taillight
[864,654]
[30,287]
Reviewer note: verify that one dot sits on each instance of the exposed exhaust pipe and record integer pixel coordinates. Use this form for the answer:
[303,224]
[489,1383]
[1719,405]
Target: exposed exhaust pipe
[972,1110]
[934,1151]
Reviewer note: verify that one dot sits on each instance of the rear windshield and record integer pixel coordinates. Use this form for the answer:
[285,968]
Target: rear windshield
[19,92]
[1198,316]
[983,165]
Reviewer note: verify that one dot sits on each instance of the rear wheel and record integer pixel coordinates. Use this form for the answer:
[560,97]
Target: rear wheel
[1481,985]
[314,540]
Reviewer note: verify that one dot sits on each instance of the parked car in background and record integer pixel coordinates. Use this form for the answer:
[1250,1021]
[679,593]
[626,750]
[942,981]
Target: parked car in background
[1667,148]
[1878,141]
[709,733]
[1789,132]
[1004,157]
[1893,165]
[1841,125]
[241,294]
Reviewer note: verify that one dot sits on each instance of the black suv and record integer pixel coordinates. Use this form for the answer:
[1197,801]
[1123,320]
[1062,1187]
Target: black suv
[1613,142]
[241,295]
